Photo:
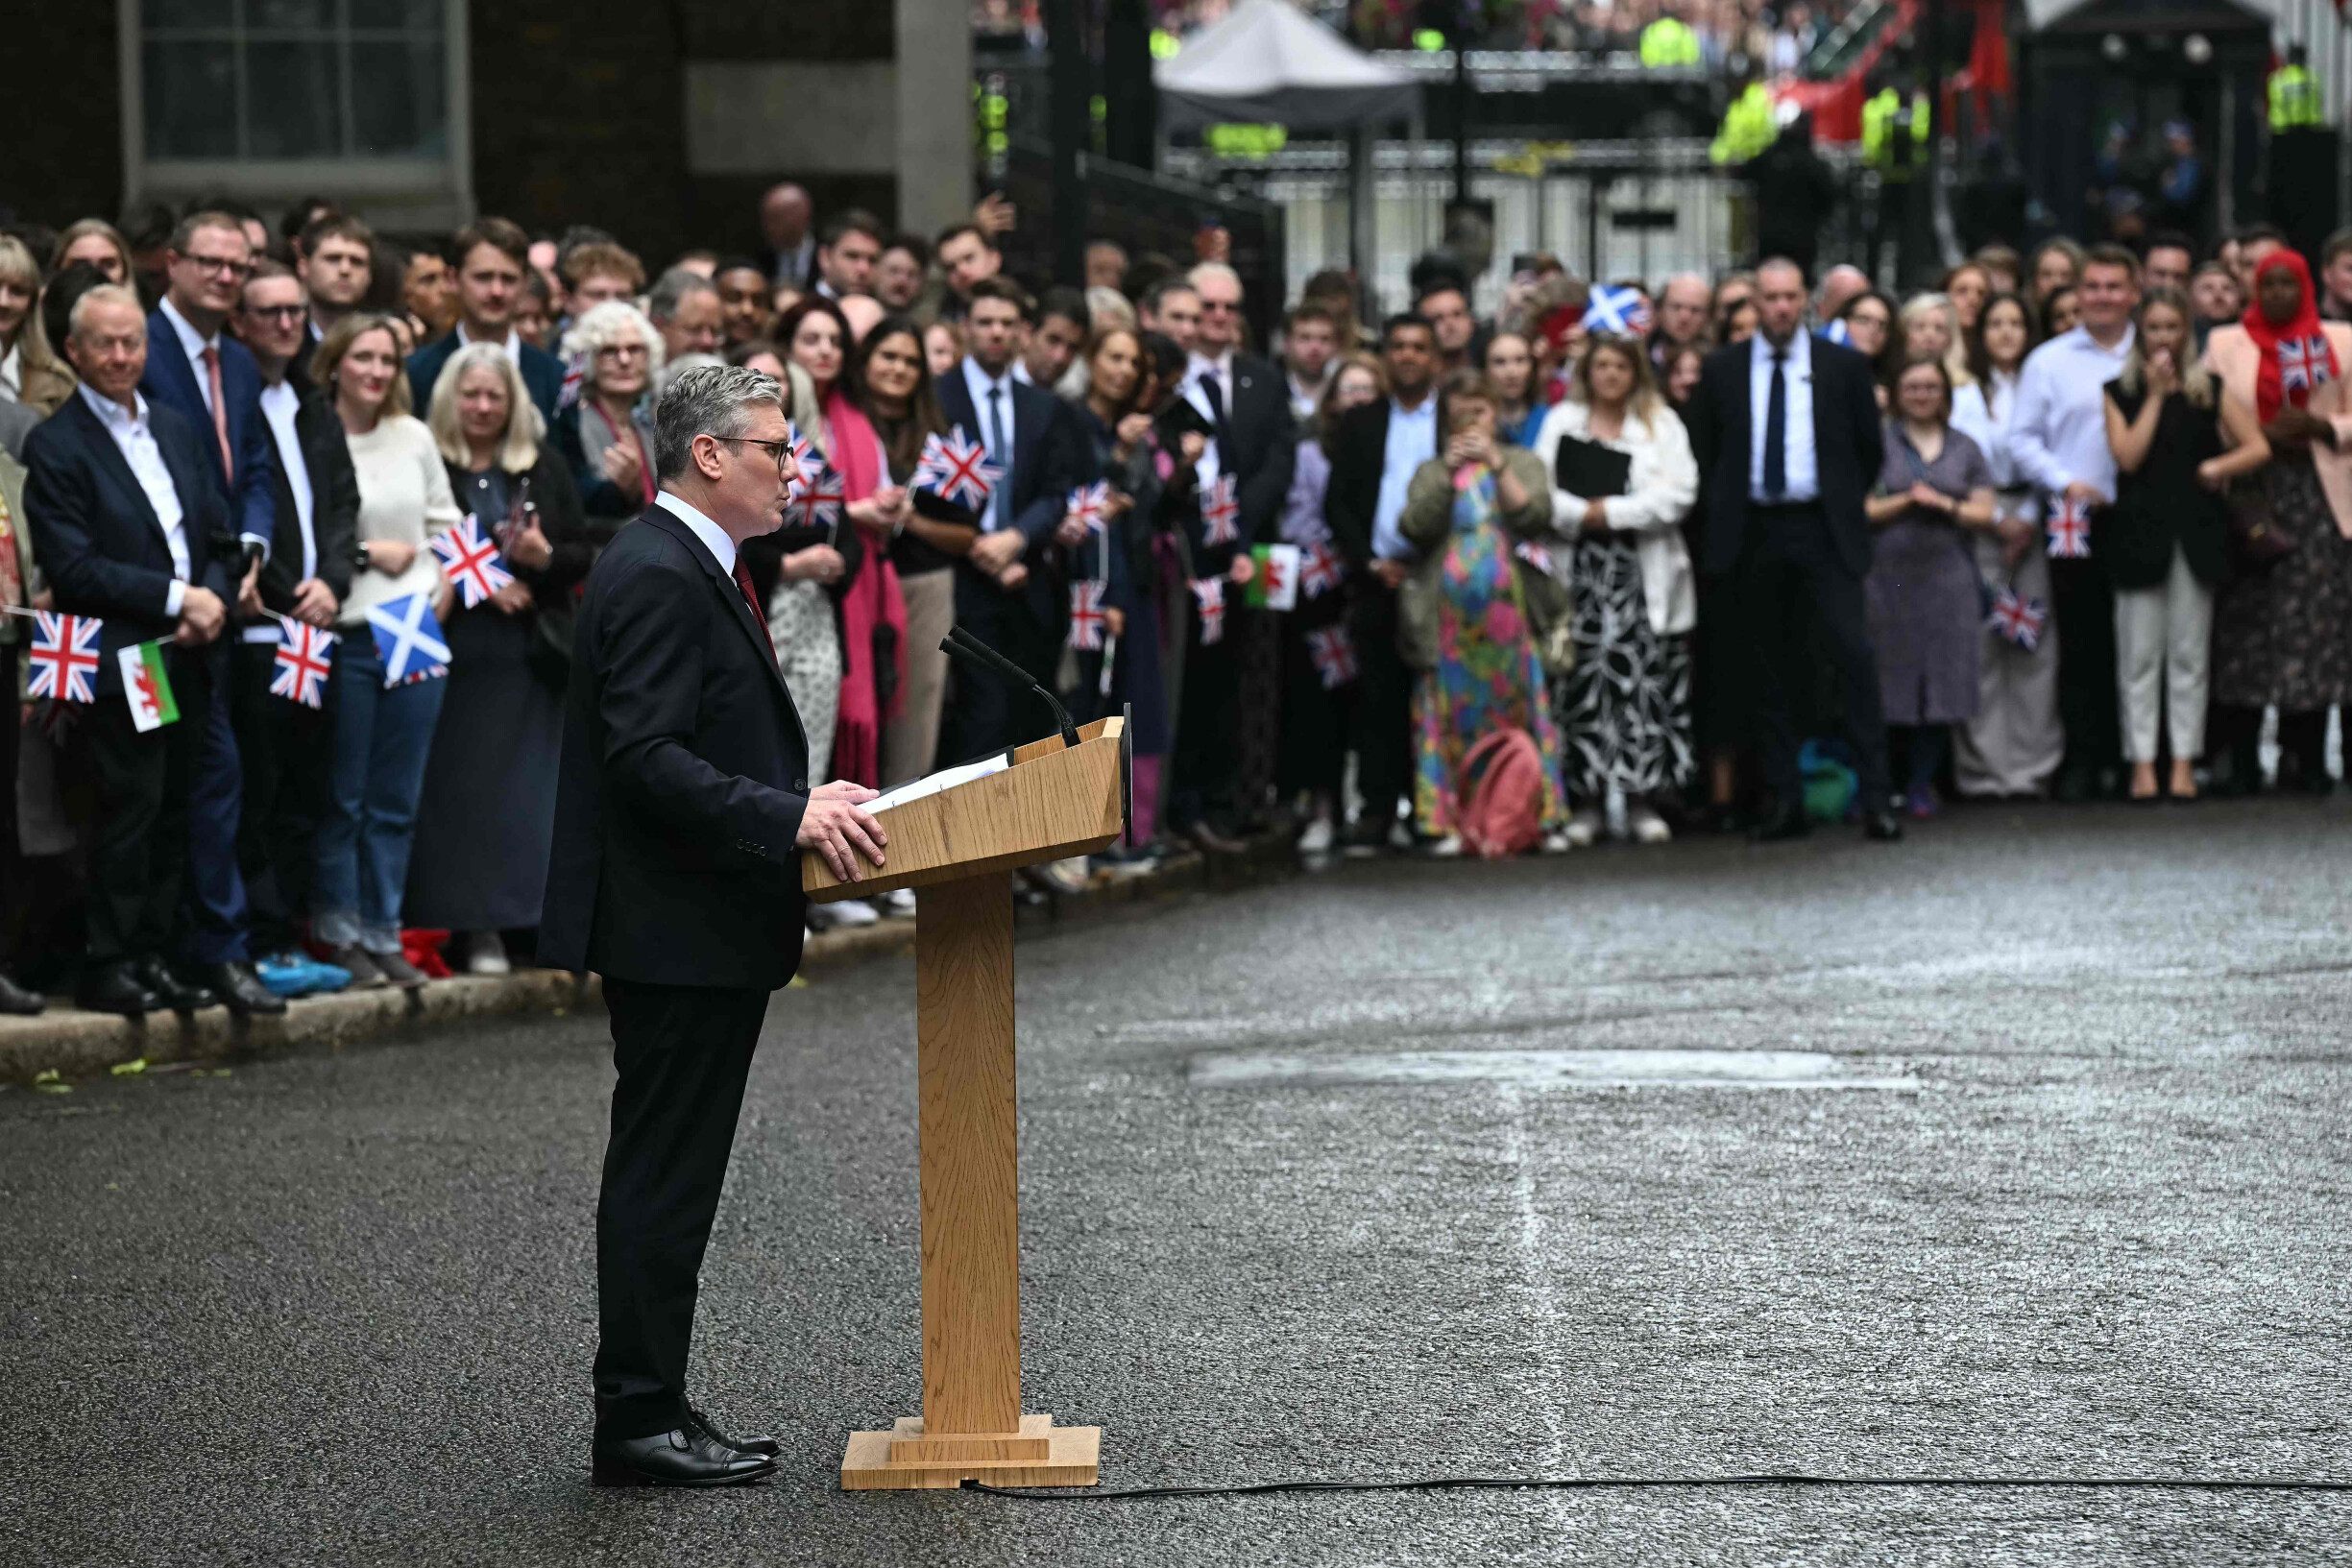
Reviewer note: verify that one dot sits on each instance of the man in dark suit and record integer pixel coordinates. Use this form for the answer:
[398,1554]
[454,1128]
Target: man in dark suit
[287,748]
[1004,593]
[492,254]
[1787,434]
[682,804]
[130,528]
[208,378]
[1374,450]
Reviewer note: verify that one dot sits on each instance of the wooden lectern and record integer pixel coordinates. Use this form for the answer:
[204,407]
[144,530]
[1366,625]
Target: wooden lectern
[958,846]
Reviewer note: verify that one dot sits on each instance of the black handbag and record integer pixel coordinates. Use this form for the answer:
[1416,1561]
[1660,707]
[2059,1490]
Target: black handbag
[2255,535]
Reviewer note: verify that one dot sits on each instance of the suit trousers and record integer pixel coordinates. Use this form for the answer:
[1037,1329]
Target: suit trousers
[1380,723]
[1203,769]
[2083,603]
[984,711]
[216,885]
[1791,585]
[288,754]
[2164,643]
[682,1053]
[139,787]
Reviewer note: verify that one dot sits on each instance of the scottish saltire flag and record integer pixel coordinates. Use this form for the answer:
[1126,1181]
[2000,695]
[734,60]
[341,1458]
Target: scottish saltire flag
[64,657]
[306,658]
[409,640]
[1091,505]
[1220,513]
[1085,615]
[1334,652]
[1318,572]
[1614,309]
[2070,531]
[1209,598]
[955,468]
[2018,621]
[471,561]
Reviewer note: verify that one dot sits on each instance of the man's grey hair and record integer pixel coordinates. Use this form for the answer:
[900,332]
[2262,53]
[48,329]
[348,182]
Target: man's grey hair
[1207,270]
[707,401]
[104,293]
[670,291]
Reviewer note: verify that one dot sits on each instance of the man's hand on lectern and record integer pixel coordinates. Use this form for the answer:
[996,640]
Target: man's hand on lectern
[839,826]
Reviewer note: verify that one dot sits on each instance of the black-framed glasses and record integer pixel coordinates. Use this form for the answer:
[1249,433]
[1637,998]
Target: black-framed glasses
[779,449]
[278,313]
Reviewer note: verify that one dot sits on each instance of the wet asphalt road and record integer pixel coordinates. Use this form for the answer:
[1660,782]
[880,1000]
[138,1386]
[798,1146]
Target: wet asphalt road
[1321,1178]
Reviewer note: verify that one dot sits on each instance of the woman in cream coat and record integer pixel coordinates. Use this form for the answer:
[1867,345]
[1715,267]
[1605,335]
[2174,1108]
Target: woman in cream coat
[1625,709]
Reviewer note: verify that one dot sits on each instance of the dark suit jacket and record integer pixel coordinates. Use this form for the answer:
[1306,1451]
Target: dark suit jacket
[1849,447]
[543,373]
[1048,463]
[1259,445]
[1358,449]
[171,382]
[683,781]
[334,505]
[98,537]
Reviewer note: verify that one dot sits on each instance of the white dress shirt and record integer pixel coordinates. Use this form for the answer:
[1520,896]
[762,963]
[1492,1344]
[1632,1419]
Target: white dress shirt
[279,403]
[2060,432]
[1801,469]
[980,384]
[136,440]
[1413,440]
[714,537]
[512,347]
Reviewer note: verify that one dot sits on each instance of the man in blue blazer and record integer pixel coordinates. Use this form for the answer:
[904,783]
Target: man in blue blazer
[131,528]
[208,378]
[492,255]
[1005,593]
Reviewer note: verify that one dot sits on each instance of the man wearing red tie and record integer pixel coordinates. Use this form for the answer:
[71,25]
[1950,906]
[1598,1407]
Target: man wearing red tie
[682,806]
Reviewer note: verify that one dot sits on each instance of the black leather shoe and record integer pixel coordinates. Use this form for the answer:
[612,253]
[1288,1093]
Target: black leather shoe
[697,1421]
[177,994]
[2075,785]
[1884,827]
[683,1457]
[1782,821]
[15,999]
[237,985]
[116,988]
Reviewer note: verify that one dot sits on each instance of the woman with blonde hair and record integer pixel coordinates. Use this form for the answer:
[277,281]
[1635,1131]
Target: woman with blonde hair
[30,373]
[606,432]
[99,243]
[383,732]
[487,815]
[1930,330]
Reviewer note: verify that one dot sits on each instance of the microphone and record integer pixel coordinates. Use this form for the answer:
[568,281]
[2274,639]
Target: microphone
[964,645]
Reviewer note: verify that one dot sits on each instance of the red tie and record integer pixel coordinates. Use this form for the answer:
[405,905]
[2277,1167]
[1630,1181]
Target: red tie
[751,596]
[220,412]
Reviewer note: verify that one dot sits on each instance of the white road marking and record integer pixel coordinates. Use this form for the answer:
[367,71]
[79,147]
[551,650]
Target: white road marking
[1542,1070]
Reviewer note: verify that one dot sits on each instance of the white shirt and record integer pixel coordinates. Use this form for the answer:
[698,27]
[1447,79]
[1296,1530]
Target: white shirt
[1802,470]
[135,439]
[12,376]
[980,384]
[1413,440]
[714,537]
[2060,432]
[1307,397]
[279,403]
[512,347]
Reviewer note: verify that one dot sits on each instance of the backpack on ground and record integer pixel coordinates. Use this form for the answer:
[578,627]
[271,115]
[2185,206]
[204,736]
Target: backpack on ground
[1502,791]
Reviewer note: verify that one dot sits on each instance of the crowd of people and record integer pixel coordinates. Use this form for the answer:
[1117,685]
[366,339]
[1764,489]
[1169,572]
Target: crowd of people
[1741,554]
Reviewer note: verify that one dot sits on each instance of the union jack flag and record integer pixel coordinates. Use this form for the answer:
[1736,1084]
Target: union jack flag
[2070,532]
[805,463]
[2018,621]
[305,657]
[1209,598]
[1334,652]
[1085,615]
[64,657]
[471,561]
[956,469]
[820,494]
[576,377]
[1320,572]
[1220,513]
[2303,364]
[1533,554]
[1090,504]
[1619,310]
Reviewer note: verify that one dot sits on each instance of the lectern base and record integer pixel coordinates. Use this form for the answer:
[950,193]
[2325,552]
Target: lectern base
[1041,1454]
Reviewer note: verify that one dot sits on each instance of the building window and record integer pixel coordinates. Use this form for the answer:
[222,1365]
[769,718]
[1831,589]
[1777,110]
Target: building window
[284,79]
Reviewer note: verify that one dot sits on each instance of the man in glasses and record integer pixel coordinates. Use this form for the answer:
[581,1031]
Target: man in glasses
[210,378]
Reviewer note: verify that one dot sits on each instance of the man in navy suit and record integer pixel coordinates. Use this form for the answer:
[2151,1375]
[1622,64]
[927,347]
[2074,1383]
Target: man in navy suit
[1004,593]
[493,255]
[208,378]
[130,528]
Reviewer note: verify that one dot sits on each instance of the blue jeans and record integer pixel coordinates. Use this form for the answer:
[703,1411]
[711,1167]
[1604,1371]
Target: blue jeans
[381,739]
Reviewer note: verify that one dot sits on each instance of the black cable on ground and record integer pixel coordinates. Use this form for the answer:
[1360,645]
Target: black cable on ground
[2188,1484]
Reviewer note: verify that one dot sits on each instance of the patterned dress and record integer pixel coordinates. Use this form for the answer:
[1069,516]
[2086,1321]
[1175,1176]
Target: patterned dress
[1486,674]
[1626,706]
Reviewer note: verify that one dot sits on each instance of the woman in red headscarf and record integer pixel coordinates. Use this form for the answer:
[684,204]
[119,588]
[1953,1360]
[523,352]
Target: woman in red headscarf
[2283,630]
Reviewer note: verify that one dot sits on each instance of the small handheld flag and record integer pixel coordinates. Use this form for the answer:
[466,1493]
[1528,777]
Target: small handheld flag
[409,640]
[2018,621]
[1334,652]
[1085,615]
[1320,572]
[471,561]
[1091,505]
[306,658]
[804,463]
[2070,532]
[955,468]
[575,379]
[1220,513]
[1274,584]
[1619,310]
[820,494]
[1209,598]
[64,657]
[147,687]
[2302,363]
[1533,554]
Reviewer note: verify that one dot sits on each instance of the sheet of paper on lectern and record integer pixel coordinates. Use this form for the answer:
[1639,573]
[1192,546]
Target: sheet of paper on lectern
[932,783]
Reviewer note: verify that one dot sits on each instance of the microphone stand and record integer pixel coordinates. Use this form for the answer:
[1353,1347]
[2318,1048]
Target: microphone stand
[964,645]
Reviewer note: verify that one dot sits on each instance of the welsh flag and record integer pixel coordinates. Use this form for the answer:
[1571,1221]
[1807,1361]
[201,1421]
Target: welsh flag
[1274,584]
[147,688]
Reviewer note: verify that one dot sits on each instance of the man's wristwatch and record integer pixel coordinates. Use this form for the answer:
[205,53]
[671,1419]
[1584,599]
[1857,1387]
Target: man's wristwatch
[361,559]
